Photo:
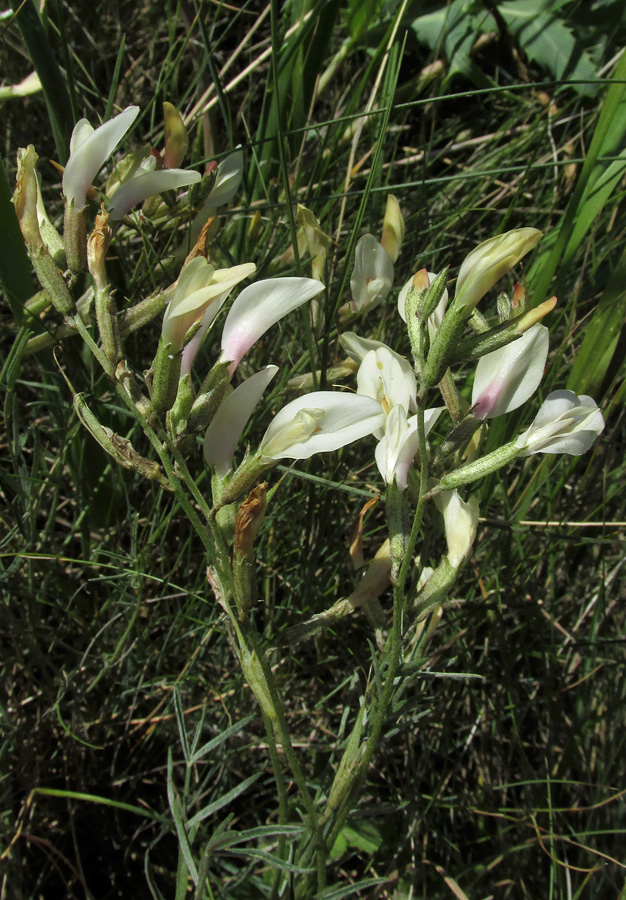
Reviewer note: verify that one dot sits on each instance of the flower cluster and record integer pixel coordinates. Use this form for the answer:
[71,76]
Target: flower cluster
[392,392]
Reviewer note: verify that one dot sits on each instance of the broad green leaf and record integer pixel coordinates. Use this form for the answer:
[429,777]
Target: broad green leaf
[453,31]
[548,41]
[363,835]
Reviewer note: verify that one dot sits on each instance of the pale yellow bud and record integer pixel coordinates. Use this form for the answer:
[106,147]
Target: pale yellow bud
[530,318]
[393,228]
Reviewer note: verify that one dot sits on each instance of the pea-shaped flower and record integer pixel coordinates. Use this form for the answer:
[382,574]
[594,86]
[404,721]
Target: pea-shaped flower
[507,377]
[200,288]
[372,276]
[565,423]
[319,422]
[89,150]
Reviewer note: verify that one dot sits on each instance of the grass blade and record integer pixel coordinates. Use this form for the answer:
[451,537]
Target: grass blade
[52,81]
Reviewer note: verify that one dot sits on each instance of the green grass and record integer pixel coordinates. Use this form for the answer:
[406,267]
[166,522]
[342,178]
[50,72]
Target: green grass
[131,748]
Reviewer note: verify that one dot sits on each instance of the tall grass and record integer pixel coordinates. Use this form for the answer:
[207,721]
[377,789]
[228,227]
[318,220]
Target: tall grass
[133,753]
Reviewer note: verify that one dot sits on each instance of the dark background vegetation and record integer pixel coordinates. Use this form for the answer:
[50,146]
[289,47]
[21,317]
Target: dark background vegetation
[503,775]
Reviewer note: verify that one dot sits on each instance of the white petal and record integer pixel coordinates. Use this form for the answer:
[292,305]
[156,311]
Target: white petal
[564,424]
[460,521]
[229,175]
[82,130]
[344,418]
[372,277]
[185,310]
[358,347]
[398,448]
[141,187]
[381,377]
[228,423]
[195,275]
[260,306]
[507,377]
[92,151]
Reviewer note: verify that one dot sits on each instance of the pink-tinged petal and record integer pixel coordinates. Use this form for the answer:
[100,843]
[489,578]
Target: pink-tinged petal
[507,377]
[228,423]
[320,422]
[90,150]
[141,187]
[257,308]
[200,293]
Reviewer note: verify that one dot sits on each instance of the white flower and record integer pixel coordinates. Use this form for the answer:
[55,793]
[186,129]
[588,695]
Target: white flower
[400,443]
[460,521]
[228,423]
[507,377]
[488,262]
[384,379]
[319,422]
[436,318]
[89,150]
[146,184]
[565,423]
[372,276]
[257,308]
[358,347]
[200,290]
[227,181]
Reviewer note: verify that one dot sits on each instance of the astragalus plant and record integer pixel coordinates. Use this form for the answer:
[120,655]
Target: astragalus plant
[424,436]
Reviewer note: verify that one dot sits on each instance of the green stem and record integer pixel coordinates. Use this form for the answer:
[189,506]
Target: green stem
[99,354]
[395,640]
[249,636]
[283,807]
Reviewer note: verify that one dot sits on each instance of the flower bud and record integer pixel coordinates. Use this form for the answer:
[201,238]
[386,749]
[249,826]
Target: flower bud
[25,202]
[460,522]
[488,262]
[372,277]
[393,229]
[176,139]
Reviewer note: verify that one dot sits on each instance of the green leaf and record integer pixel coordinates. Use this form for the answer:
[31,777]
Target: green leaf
[361,15]
[363,835]
[547,41]
[453,30]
